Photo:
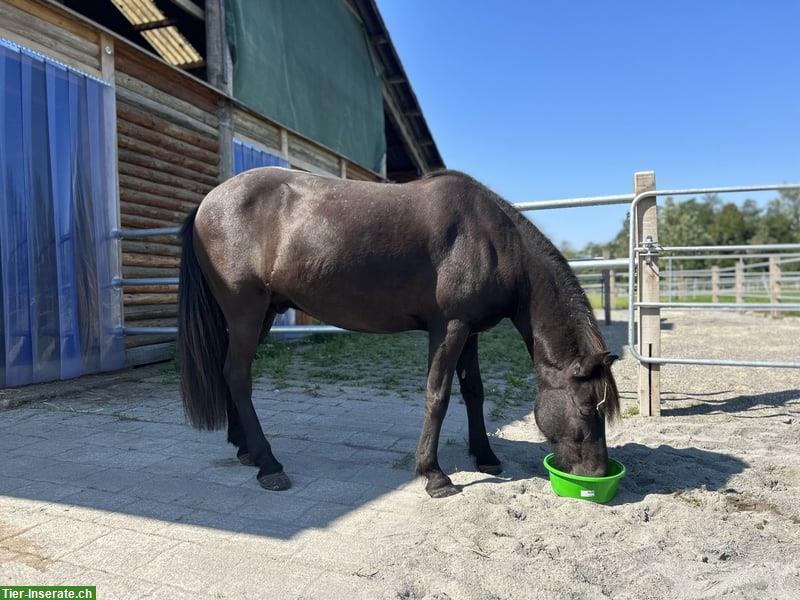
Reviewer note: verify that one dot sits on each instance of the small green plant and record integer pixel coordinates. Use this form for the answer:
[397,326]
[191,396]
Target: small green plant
[630,411]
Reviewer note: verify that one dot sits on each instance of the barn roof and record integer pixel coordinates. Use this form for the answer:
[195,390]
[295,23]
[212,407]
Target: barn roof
[410,134]
[411,149]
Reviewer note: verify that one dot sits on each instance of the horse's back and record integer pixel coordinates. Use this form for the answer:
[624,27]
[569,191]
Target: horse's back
[363,255]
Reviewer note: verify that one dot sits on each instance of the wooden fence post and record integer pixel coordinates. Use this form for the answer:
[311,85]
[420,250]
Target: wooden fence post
[715,284]
[669,279]
[606,297]
[775,283]
[739,281]
[612,288]
[648,291]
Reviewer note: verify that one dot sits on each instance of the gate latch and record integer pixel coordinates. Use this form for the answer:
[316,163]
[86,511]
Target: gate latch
[649,250]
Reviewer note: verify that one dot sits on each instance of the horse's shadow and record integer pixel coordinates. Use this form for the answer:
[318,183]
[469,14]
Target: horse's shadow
[663,469]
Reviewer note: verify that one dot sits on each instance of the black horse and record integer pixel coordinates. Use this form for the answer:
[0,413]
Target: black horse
[441,254]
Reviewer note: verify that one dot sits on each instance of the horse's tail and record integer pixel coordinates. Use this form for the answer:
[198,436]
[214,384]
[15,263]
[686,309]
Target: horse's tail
[202,341]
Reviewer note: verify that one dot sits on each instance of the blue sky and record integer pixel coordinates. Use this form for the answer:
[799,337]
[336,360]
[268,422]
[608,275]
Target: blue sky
[555,99]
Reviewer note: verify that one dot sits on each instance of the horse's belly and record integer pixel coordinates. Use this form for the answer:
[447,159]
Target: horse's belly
[364,303]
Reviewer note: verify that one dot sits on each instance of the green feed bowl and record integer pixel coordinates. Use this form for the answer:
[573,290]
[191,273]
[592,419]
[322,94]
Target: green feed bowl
[593,489]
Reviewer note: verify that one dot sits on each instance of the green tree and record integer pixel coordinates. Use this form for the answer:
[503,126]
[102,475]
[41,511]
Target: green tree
[685,223]
[729,226]
[752,216]
[776,225]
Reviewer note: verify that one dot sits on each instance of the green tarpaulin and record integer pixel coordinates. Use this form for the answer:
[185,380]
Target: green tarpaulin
[306,64]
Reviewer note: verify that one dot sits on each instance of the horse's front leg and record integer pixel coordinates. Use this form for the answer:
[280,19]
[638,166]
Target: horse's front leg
[469,378]
[444,347]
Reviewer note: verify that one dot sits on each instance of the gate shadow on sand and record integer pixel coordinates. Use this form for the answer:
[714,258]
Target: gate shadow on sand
[740,404]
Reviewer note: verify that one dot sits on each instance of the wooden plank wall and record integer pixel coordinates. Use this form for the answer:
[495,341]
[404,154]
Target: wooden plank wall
[42,28]
[168,155]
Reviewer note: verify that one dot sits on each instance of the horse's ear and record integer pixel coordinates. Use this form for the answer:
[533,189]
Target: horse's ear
[585,367]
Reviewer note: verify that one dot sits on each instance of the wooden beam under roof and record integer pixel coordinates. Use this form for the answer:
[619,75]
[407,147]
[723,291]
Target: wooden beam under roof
[190,8]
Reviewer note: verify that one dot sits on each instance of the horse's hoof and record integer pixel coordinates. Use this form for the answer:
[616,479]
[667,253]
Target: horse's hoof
[443,491]
[490,469]
[275,482]
[244,458]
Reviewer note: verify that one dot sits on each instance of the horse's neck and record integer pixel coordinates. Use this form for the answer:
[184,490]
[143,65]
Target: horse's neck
[551,321]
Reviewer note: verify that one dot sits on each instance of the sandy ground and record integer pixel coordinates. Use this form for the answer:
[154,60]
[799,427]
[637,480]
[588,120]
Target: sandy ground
[709,507]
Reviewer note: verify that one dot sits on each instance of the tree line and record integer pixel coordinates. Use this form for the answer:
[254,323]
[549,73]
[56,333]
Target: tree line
[710,221]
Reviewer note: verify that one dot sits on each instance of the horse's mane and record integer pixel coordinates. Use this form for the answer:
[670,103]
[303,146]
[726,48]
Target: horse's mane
[589,336]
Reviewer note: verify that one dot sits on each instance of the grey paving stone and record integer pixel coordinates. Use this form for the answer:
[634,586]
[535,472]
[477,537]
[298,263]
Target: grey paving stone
[43,469]
[367,456]
[229,472]
[260,577]
[272,506]
[177,464]
[318,465]
[137,440]
[12,442]
[144,516]
[341,492]
[56,537]
[373,440]
[161,488]
[97,499]
[203,527]
[46,491]
[109,586]
[206,495]
[11,484]
[189,566]
[132,459]
[111,480]
[169,592]
[384,476]
[45,448]
[334,552]
[121,551]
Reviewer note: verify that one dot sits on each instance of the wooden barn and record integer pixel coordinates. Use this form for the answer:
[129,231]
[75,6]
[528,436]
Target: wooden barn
[121,115]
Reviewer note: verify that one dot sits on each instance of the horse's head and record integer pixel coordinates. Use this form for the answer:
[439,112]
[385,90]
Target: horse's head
[571,410]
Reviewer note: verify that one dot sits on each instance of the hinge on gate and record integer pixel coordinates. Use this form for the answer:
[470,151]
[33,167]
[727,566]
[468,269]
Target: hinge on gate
[649,249]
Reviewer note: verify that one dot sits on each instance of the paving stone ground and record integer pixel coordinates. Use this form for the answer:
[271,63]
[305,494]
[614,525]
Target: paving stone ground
[102,483]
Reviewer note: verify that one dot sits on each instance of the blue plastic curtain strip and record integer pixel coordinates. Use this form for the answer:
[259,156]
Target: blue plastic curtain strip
[61,317]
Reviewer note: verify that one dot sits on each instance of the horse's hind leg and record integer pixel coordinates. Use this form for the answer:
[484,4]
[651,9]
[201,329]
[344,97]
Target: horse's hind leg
[244,331]
[444,348]
[235,430]
[469,378]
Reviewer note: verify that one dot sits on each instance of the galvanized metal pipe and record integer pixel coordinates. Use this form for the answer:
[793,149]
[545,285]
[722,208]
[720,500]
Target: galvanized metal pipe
[306,329]
[732,248]
[574,202]
[140,281]
[598,263]
[755,306]
[142,233]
